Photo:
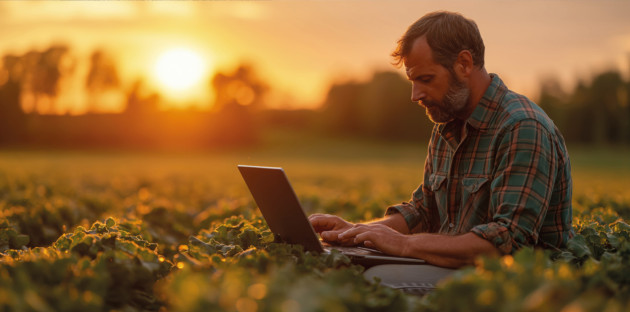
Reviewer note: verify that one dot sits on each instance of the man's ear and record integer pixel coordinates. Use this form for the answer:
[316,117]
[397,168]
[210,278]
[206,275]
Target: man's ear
[464,64]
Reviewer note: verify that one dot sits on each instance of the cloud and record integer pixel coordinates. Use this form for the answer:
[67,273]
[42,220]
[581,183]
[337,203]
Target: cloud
[28,12]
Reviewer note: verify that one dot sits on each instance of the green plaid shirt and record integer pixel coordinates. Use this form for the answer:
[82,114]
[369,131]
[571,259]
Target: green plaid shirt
[505,176]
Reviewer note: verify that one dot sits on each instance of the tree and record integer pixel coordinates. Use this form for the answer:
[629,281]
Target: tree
[102,77]
[43,72]
[238,95]
[241,87]
[595,112]
[605,104]
[380,108]
[389,111]
[340,112]
[12,119]
[139,104]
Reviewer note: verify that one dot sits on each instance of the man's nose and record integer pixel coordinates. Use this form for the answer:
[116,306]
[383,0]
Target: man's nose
[417,93]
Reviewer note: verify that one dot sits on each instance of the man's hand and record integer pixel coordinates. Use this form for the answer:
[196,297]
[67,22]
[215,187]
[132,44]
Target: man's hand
[377,236]
[441,250]
[329,227]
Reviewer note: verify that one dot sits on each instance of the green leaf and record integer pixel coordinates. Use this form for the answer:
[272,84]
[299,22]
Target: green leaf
[110,222]
[620,225]
[578,246]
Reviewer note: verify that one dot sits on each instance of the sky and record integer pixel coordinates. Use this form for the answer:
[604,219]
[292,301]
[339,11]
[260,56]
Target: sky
[301,47]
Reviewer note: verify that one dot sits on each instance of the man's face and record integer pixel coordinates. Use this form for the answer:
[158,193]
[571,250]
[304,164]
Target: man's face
[433,86]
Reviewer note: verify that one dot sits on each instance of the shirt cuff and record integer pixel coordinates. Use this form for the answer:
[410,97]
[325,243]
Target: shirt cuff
[408,211]
[498,235]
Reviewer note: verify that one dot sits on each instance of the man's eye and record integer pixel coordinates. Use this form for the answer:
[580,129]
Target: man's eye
[424,79]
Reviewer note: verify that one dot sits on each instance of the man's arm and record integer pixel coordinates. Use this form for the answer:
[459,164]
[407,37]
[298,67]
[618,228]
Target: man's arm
[395,221]
[420,212]
[391,236]
[441,250]
[522,187]
[449,251]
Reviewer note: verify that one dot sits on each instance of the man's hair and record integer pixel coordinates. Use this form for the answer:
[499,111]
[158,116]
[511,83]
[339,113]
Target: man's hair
[447,34]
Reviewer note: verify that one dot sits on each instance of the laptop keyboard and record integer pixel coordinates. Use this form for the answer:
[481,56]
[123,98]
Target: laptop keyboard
[356,250]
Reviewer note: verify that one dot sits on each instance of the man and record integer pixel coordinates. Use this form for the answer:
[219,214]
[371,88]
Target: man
[497,173]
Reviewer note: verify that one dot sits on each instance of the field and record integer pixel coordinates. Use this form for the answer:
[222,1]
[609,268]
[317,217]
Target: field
[141,231]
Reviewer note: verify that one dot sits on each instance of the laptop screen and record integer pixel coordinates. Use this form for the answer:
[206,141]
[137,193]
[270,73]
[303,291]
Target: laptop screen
[280,206]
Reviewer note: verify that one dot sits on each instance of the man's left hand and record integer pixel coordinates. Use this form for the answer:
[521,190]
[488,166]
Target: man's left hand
[378,236]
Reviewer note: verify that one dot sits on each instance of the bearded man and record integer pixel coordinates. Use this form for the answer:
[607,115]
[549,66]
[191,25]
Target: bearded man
[497,173]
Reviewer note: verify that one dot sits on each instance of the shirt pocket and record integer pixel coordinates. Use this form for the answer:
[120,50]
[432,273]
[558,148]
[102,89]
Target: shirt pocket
[437,184]
[476,201]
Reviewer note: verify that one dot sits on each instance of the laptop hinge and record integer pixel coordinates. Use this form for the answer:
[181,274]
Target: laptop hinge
[277,238]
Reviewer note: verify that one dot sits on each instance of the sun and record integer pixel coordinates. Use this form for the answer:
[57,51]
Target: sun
[180,69]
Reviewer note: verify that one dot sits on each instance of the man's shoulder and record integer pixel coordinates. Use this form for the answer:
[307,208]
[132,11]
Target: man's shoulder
[502,109]
[515,108]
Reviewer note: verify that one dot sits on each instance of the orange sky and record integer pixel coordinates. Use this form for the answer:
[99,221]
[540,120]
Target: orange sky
[299,47]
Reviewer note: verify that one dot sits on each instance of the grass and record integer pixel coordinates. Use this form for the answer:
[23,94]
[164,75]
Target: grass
[315,165]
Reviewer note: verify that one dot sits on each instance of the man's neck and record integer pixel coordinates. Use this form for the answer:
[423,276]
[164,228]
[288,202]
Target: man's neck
[478,84]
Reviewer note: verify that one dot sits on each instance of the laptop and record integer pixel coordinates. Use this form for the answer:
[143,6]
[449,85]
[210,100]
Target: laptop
[281,209]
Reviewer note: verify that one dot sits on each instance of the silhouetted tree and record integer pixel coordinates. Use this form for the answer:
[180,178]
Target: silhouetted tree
[241,87]
[389,111]
[238,96]
[592,113]
[341,109]
[44,71]
[12,119]
[140,104]
[605,104]
[380,108]
[625,115]
[102,77]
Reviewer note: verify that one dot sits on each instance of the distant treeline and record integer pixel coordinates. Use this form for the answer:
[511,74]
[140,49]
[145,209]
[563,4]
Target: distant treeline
[597,111]
[35,78]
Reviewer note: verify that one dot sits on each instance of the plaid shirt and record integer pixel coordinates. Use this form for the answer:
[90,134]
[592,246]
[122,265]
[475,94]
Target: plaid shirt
[503,174]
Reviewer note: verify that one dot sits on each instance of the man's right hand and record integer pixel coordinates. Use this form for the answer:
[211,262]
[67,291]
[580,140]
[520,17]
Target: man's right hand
[329,227]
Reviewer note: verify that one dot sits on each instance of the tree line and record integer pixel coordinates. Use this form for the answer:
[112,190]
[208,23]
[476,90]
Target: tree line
[30,84]
[597,110]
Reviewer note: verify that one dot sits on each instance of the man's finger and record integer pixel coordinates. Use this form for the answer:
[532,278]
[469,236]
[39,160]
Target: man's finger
[352,232]
[363,237]
[321,223]
[333,237]
[330,236]
[315,216]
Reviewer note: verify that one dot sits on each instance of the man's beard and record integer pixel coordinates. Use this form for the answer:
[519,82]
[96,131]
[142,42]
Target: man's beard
[454,102]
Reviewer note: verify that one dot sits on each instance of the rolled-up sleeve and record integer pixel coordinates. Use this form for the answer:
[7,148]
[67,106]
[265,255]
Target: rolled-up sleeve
[521,187]
[417,211]
[414,211]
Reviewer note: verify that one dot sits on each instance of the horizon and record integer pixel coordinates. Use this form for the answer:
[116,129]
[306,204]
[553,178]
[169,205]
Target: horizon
[525,42]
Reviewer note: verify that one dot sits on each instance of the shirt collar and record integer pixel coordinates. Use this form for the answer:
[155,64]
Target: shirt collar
[479,119]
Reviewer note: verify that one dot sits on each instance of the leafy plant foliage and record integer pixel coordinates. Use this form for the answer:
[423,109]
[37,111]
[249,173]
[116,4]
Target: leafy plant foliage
[155,253]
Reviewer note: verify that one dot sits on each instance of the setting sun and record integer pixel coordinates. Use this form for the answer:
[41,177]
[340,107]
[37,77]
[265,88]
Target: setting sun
[180,69]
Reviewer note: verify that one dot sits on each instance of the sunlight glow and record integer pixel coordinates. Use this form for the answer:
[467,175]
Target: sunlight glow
[180,69]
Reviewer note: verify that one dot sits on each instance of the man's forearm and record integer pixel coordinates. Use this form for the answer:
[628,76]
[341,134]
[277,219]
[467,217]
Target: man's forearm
[395,221]
[448,251]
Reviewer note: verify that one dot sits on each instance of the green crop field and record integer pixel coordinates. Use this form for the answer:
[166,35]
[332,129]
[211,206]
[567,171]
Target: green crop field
[165,231]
